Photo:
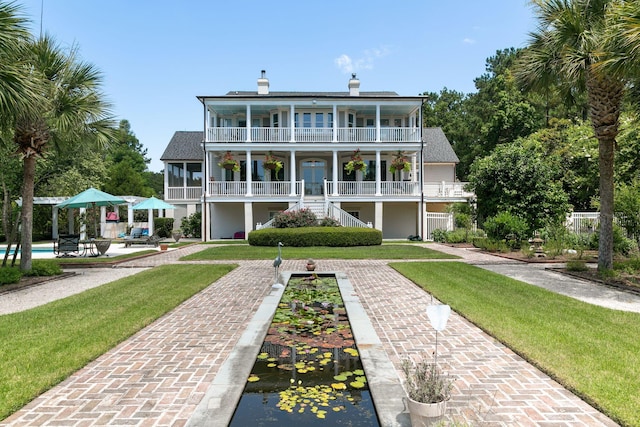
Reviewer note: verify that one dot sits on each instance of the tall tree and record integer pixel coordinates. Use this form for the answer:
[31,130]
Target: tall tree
[574,43]
[72,111]
[17,89]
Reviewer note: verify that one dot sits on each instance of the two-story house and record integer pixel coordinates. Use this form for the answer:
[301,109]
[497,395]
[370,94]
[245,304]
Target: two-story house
[313,136]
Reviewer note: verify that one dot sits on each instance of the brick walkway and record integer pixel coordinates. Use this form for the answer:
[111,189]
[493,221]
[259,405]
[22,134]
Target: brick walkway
[158,377]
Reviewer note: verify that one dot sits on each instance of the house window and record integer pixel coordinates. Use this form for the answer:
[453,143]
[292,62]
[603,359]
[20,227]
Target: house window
[278,176]
[319,120]
[397,123]
[194,175]
[176,174]
[257,171]
[352,119]
[370,174]
[330,120]
[306,120]
[275,120]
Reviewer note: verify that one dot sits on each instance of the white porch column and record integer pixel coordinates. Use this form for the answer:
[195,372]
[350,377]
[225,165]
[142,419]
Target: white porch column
[248,172]
[83,226]
[335,123]
[103,220]
[377,122]
[248,123]
[150,221]
[54,223]
[130,214]
[206,232]
[70,222]
[378,174]
[377,224]
[292,173]
[248,219]
[292,123]
[334,175]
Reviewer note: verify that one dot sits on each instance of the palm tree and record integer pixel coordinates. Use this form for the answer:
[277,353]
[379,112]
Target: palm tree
[574,45]
[72,111]
[17,91]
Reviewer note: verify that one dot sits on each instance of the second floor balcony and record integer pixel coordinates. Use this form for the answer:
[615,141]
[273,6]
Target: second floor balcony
[311,135]
[445,191]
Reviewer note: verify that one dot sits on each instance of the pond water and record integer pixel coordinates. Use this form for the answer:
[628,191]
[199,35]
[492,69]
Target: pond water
[308,371]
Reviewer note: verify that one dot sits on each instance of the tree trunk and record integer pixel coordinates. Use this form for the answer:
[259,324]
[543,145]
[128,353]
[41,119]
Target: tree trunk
[28,180]
[605,102]
[605,242]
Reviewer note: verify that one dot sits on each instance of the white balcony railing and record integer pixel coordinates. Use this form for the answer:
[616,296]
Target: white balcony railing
[446,190]
[184,193]
[365,189]
[239,134]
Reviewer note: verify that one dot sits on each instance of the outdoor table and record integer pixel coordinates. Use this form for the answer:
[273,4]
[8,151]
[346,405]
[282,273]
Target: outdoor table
[89,248]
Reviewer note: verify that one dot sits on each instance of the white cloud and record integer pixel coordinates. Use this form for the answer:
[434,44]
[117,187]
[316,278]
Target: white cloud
[366,62]
[468,40]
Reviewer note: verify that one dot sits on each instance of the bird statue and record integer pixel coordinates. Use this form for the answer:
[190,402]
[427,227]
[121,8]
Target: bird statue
[276,265]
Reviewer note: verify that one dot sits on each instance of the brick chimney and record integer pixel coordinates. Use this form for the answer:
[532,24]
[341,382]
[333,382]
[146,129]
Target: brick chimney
[354,86]
[263,84]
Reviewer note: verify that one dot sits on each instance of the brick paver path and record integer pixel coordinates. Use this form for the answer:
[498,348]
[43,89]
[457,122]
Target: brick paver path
[158,377]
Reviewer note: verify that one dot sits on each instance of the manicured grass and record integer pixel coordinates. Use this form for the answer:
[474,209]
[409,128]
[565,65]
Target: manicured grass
[43,346]
[318,252]
[591,350]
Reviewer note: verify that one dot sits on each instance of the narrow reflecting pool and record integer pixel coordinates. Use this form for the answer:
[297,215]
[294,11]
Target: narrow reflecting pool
[308,369]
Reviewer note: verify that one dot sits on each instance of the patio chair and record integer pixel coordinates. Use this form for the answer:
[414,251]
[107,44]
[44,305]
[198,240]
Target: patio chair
[140,236]
[67,246]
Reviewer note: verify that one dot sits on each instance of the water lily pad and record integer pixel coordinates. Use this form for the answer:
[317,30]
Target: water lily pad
[253,378]
[356,384]
[358,372]
[341,377]
[338,386]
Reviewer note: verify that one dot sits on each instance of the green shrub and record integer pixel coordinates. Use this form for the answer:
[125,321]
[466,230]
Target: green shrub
[508,227]
[439,235]
[621,245]
[9,275]
[163,226]
[40,267]
[329,222]
[192,225]
[490,245]
[576,265]
[316,236]
[294,219]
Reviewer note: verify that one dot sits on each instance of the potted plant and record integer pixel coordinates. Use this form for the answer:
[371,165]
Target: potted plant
[356,163]
[271,162]
[228,162]
[311,265]
[400,163]
[428,390]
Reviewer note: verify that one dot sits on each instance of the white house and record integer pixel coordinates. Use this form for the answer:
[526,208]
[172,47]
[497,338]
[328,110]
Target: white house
[314,135]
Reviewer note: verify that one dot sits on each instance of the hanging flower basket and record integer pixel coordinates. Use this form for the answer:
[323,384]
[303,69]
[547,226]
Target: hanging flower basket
[356,163]
[229,163]
[271,162]
[400,163]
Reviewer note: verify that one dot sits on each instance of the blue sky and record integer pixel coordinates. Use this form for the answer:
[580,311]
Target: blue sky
[157,56]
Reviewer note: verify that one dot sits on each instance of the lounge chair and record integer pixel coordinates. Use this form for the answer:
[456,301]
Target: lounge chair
[67,245]
[137,236]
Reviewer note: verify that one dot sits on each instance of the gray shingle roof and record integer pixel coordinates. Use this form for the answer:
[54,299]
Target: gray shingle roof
[437,148]
[184,145]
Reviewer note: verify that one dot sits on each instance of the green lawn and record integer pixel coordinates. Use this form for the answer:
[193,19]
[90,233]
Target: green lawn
[318,252]
[591,350]
[43,346]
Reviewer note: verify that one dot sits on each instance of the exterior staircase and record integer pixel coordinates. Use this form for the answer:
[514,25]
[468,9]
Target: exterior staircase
[322,209]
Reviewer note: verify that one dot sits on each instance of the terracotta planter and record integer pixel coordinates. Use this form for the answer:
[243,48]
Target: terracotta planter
[164,247]
[423,414]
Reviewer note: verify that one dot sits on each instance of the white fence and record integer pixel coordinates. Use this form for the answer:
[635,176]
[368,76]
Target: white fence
[434,221]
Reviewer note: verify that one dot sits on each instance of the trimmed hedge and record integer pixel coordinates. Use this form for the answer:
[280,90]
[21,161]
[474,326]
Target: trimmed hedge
[316,236]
